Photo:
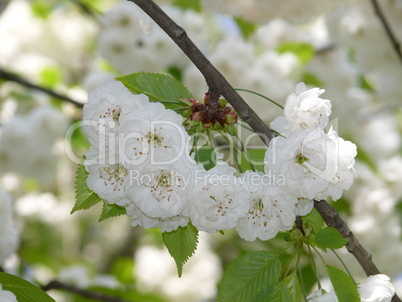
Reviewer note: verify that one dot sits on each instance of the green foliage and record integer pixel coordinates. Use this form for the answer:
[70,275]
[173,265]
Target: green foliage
[365,158]
[313,220]
[342,205]
[281,294]
[249,277]
[311,79]
[188,4]
[111,210]
[23,290]
[329,237]
[344,287]
[181,244]
[41,9]
[206,156]
[50,76]
[122,269]
[256,157]
[365,84]
[293,285]
[84,198]
[158,87]
[247,28]
[175,72]
[304,51]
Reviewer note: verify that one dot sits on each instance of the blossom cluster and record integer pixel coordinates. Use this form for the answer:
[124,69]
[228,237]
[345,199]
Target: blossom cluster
[140,158]
[31,137]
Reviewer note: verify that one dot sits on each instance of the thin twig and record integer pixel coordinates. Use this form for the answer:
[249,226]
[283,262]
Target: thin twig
[387,27]
[9,76]
[332,218]
[216,81]
[82,292]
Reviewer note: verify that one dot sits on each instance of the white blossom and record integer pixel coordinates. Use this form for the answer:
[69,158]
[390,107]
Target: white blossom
[376,288]
[152,134]
[165,224]
[270,208]
[7,296]
[303,110]
[315,164]
[218,200]
[107,104]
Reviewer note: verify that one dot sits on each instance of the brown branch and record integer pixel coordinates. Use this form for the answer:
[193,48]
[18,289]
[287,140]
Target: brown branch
[9,76]
[82,292]
[388,30]
[332,218]
[216,81]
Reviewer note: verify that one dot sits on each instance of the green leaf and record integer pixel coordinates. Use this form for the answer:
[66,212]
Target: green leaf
[282,293]
[311,79]
[247,28]
[344,287]
[84,197]
[256,157]
[330,237]
[313,220]
[244,163]
[304,51]
[249,276]
[188,4]
[181,244]
[50,76]
[23,290]
[293,285]
[158,87]
[111,210]
[206,156]
[41,9]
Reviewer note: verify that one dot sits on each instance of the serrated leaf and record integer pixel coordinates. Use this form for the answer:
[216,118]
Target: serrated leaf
[181,244]
[23,290]
[256,157]
[206,156]
[84,197]
[247,28]
[304,51]
[249,276]
[158,87]
[111,210]
[330,237]
[293,285]
[344,287]
[281,294]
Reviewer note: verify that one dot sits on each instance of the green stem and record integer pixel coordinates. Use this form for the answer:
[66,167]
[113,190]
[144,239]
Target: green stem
[245,151]
[235,149]
[344,266]
[314,267]
[260,95]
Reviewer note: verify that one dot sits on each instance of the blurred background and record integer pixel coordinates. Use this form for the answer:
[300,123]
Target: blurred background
[267,46]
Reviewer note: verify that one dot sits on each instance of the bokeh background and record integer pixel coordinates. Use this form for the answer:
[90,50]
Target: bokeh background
[267,46]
